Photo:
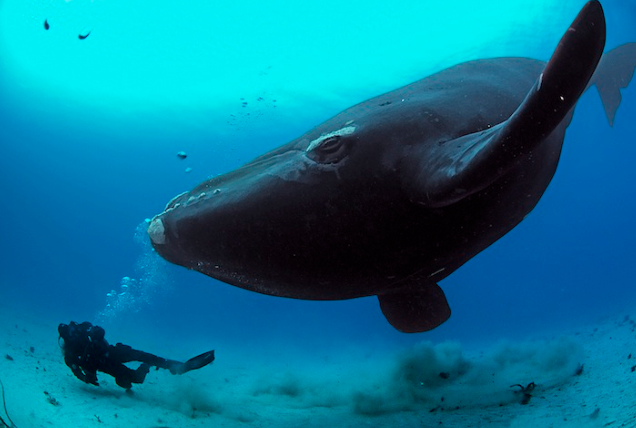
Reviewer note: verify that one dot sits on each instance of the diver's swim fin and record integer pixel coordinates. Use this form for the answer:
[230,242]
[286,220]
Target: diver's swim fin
[193,363]
[198,361]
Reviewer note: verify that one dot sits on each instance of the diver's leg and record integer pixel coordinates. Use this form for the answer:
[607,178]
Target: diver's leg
[124,354]
[123,375]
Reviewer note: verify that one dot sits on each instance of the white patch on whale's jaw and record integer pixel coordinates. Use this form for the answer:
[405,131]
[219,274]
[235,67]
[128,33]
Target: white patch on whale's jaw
[156,231]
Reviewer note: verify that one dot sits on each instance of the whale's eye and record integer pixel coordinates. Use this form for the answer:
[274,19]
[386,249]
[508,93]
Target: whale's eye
[330,150]
[331,144]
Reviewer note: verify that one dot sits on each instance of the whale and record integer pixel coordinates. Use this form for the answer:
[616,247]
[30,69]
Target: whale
[392,195]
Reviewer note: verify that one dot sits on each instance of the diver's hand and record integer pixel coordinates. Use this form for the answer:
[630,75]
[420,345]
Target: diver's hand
[91,378]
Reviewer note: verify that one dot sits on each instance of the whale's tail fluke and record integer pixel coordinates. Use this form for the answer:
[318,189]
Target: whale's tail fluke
[614,73]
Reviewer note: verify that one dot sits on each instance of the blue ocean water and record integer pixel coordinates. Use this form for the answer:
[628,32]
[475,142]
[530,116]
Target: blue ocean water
[90,130]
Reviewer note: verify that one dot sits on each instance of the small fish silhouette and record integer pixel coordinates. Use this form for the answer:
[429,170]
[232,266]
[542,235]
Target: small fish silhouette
[46,24]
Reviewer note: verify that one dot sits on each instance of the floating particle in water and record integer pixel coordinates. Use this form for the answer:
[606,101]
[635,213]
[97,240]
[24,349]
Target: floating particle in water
[84,33]
[188,169]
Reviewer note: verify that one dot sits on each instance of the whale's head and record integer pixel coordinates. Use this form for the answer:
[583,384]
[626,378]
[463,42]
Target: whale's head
[297,221]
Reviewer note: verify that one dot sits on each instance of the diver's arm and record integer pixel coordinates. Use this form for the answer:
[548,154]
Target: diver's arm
[72,363]
[87,377]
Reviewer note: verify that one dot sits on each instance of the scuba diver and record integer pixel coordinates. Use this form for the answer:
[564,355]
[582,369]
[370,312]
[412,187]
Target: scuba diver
[86,352]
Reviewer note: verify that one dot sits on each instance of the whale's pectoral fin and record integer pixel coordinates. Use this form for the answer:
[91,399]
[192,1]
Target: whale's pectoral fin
[470,163]
[415,310]
[614,73]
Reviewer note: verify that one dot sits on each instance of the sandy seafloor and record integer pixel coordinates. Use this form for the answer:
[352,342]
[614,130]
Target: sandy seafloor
[274,387]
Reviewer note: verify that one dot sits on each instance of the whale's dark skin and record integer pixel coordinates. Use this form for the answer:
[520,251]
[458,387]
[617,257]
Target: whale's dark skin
[392,195]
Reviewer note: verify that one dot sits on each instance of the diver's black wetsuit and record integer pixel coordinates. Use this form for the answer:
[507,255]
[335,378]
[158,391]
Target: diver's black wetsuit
[86,352]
